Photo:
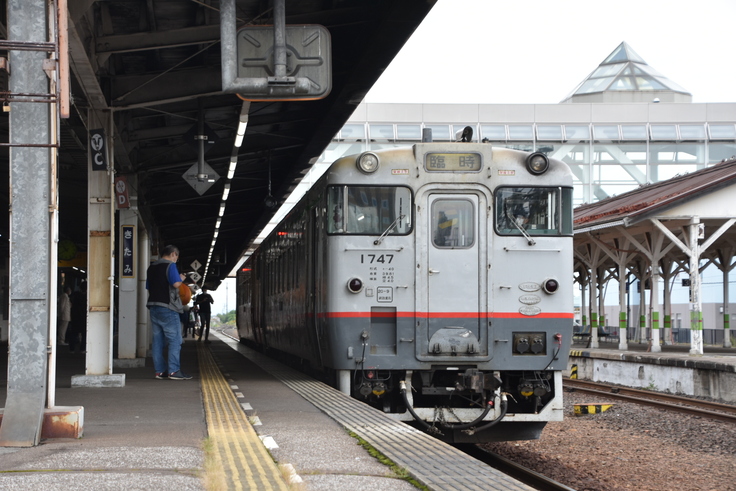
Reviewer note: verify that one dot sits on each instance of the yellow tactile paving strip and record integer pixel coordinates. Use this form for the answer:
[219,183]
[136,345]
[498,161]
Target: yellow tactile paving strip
[246,463]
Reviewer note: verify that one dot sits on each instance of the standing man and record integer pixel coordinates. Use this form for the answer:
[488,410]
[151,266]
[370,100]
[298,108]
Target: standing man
[164,305]
[204,300]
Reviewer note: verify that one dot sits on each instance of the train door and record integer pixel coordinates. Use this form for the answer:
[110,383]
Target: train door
[455,281]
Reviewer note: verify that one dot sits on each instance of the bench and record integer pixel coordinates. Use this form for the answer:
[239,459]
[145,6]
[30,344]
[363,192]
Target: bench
[580,332]
[605,333]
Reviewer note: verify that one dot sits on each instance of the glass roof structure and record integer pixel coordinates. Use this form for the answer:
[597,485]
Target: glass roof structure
[624,76]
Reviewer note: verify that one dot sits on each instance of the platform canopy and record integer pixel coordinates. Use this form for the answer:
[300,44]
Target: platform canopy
[154,67]
[658,230]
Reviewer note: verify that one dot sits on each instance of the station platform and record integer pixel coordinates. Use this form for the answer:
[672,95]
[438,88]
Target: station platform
[673,370]
[244,422]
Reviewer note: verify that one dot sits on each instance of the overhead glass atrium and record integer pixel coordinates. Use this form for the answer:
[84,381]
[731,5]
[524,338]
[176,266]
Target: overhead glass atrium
[625,71]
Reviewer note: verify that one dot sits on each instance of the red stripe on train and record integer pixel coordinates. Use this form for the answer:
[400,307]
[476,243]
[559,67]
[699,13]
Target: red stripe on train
[445,315]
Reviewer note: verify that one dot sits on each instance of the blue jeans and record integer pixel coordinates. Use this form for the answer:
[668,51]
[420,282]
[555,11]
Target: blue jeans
[166,331]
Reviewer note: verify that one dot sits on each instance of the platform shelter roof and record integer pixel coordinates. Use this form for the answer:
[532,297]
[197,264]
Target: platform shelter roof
[652,222]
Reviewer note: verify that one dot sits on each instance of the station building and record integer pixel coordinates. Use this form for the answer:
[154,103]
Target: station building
[624,127]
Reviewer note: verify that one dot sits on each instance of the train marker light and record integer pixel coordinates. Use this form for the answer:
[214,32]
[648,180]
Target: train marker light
[355,285]
[537,163]
[550,285]
[368,162]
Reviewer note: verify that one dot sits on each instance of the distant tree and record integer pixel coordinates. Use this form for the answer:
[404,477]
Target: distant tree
[228,318]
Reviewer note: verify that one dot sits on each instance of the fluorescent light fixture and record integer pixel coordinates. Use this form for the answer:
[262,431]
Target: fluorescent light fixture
[231,169]
[226,192]
[222,209]
[218,223]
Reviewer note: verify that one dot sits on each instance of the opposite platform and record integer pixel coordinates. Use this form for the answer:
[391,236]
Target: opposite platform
[673,370]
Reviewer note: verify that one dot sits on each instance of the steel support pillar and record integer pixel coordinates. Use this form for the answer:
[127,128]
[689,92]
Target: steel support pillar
[696,306]
[726,314]
[594,305]
[31,287]
[623,322]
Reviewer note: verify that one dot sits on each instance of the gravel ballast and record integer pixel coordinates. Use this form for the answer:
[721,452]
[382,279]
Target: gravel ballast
[630,447]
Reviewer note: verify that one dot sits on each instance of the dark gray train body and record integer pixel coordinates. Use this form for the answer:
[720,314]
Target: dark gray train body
[435,283]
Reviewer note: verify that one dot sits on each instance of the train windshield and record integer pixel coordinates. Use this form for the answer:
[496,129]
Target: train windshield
[534,211]
[369,210]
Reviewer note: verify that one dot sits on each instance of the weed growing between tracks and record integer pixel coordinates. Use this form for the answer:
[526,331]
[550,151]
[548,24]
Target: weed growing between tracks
[401,473]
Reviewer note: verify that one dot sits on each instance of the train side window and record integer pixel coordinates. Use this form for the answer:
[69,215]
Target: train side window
[453,224]
[534,211]
[369,210]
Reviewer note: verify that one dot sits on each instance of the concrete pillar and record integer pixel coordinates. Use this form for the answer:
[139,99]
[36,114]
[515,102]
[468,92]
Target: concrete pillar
[129,271]
[100,265]
[143,343]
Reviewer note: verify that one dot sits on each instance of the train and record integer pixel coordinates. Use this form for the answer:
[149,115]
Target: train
[431,281]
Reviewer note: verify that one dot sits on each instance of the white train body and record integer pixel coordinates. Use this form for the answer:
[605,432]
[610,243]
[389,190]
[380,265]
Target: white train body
[436,285]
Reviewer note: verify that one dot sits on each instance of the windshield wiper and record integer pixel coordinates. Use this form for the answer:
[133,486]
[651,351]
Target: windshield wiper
[521,229]
[389,229]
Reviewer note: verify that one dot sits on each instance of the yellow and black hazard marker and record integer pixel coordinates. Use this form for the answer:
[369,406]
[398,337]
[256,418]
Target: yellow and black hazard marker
[574,372]
[591,408]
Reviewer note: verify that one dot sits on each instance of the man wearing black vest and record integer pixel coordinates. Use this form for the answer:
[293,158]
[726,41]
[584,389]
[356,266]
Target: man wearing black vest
[164,305]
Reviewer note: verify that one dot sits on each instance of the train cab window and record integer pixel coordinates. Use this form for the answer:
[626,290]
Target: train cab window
[453,223]
[534,211]
[369,210]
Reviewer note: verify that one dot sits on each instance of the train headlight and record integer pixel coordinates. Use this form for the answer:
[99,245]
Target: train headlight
[521,345]
[550,285]
[537,163]
[355,285]
[537,345]
[368,162]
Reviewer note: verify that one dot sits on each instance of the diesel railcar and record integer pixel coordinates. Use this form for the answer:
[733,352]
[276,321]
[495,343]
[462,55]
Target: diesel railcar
[434,282]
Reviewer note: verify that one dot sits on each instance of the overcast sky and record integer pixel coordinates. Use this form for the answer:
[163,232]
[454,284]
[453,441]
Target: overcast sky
[537,51]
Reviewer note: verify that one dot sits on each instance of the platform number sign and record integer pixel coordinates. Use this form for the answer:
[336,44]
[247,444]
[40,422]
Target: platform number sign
[98,149]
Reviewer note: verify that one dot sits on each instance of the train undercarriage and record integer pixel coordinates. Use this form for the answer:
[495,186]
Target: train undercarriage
[465,404]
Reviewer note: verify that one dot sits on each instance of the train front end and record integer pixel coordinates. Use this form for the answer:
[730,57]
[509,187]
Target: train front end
[447,299]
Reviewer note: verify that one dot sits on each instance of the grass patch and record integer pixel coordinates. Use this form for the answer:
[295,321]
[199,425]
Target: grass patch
[401,472]
[213,478]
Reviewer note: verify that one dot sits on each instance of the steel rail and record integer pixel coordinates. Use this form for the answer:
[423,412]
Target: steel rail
[657,399]
[523,474]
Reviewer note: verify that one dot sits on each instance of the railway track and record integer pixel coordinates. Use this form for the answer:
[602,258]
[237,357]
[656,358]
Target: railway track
[697,407]
[519,472]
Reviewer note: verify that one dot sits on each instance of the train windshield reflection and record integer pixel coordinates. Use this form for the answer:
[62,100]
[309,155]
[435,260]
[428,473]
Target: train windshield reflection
[533,210]
[368,210]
